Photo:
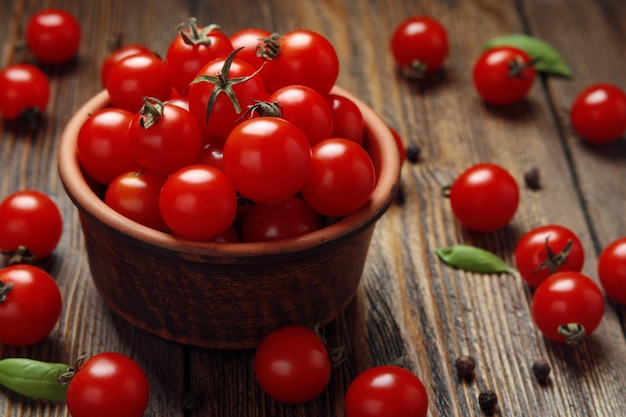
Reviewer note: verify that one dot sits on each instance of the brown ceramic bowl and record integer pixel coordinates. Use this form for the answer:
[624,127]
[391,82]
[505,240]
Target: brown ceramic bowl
[225,295]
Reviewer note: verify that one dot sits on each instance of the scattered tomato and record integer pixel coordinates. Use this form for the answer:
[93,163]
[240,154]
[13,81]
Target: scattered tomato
[612,270]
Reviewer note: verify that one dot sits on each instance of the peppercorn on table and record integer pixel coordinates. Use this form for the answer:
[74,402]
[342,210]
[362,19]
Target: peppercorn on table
[411,309]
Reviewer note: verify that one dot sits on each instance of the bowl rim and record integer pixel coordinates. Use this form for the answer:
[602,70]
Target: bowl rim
[79,191]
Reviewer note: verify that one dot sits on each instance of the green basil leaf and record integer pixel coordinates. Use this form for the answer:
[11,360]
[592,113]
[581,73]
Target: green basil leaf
[473,259]
[548,59]
[34,379]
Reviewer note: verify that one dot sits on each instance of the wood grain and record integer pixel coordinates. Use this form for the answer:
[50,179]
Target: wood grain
[410,309]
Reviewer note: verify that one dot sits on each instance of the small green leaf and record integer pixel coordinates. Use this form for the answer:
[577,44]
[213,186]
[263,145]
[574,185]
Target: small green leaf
[547,58]
[473,259]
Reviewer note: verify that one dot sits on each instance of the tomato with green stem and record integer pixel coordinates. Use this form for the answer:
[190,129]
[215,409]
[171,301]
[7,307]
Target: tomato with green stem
[612,270]
[250,39]
[24,91]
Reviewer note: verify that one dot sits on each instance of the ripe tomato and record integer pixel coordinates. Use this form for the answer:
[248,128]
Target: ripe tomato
[292,365]
[300,57]
[119,54]
[278,221]
[136,195]
[564,300]
[24,89]
[53,35]
[503,75]
[612,270]
[30,305]
[342,178]
[384,391]
[213,155]
[419,46]
[484,197]
[108,384]
[135,77]
[198,202]
[249,39]
[268,159]
[347,118]
[30,219]
[164,137]
[305,108]
[547,249]
[598,114]
[192,49]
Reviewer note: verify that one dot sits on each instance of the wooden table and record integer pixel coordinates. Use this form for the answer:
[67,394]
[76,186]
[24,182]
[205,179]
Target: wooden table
[411,310]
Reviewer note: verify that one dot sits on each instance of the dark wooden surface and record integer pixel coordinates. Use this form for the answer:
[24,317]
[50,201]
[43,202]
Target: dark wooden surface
[410,309]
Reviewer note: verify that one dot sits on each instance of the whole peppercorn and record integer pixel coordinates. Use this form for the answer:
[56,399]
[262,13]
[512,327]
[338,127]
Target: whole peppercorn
[487,399]
[541,370]
[413,153]
[532,179]
[465,366]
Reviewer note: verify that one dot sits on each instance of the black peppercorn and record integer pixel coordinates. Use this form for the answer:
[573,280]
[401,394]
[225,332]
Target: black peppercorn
[487,399]
[541,369]
[531,178]
[400,197]
[465,366]
[413,153]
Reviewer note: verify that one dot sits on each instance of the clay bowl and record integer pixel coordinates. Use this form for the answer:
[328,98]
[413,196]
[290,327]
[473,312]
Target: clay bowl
[219,295]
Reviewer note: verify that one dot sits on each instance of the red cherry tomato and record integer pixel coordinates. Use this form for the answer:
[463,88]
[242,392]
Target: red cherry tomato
[305,58]
[213,155]
[598,114]
[119,54]
[503,75]
[249,39]
[342,178]
[612,270]
[564,300]
[547,249]
[24,89]
[419,46]
[347,118]
[136,195]
[484,197]
[30,305]
[268,159]
[53,35]
[198,202]
[384,391]
[108,384]
[279,221]
[30,219]
[292,365]
[103,146]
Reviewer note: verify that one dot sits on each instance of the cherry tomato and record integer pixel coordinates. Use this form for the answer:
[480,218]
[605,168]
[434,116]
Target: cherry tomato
[278,221]
[30,219]
[342,178]
[198,202]
[103,146]
[612,270]
[24,88]
[547,249]
[119,54]
[384,391]
[598,114]
[305,108]
[484,197]
[419,46]
[213,155]
[30,304]
[347,118]
[164,137]
[136,195]
[563,301]
[249,39]
[108,384]
[268,159]
[292,365]
[191,50]
[53,36]
[304,57]
[135,77]
[503,75]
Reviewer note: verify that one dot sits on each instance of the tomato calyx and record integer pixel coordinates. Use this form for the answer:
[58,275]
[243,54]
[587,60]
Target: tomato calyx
[416,70]
[555,259]
[270,47]
[5,288]
[223,84]
[21,255]
[263,109]
[195,35]
[66,377]
[152,111]
[573,333]
[517,66]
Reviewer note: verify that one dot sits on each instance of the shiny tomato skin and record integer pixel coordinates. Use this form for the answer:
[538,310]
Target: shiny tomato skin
[31,219]
[612,270]
[531,253]
[420,39]
[108,384]
[31,309]
[484,197]
[53,35]
[117,55]
[384,391]
[598,114]
[567,297]
[249,39]
[23,88]
[347,118]
[292,365]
